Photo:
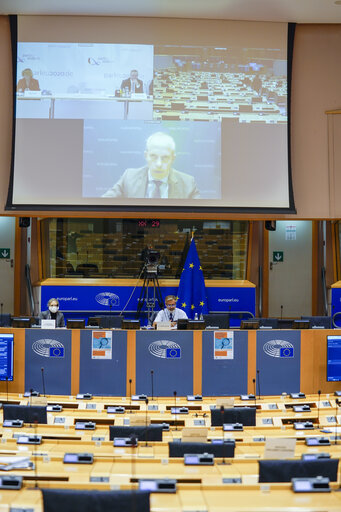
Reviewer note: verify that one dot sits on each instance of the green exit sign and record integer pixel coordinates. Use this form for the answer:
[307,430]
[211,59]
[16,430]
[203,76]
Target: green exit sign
[277,256]
[5,254]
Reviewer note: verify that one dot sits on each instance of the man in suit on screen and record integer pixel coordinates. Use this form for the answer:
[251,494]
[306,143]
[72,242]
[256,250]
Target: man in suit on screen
[158,179]
[133,83]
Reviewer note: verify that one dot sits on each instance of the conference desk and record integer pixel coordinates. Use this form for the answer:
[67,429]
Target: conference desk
[84,106]
[195,367]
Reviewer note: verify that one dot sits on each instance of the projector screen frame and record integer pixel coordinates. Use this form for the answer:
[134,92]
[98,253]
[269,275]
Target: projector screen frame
[64,209]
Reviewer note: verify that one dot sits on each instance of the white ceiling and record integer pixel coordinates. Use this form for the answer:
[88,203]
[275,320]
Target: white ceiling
[299,11]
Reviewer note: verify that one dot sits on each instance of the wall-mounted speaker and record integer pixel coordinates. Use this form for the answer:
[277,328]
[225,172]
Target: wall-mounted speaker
[24,222]
[270,225]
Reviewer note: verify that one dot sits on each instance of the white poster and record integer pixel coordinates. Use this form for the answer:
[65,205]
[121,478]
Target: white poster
[101,346]
[223,344]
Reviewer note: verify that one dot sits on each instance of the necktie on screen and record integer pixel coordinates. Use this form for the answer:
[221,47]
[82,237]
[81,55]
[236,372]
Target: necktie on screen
[157,191]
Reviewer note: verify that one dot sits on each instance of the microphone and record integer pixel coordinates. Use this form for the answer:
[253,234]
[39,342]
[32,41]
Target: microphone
[146,400]
[222,410]
[318,409]
[254,392]
[152,378]
[258,379]
[176,425]
[130,381]
[281,311]
[7,387]
[1,314]
[35,420]
[337,404]
[43,379]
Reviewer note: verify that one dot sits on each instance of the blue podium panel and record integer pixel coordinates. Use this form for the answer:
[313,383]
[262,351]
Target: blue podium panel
[279,361]
[103,376]
[49,349]
[170,355]
[224,376]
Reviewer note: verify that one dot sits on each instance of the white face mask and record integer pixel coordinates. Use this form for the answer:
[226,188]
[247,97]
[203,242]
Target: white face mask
[53,309]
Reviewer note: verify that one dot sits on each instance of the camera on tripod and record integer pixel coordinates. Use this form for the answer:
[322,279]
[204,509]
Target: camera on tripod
[152,259]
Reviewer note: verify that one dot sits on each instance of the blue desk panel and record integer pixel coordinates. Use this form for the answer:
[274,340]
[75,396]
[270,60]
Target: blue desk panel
[170,355]
[279,361]
[49,349]
[224,377]
[103,376]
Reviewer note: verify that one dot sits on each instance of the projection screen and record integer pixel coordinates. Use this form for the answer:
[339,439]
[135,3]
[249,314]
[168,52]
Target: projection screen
[151,114]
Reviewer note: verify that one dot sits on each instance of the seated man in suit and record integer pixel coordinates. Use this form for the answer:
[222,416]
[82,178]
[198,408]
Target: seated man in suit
[27,82]
[157,179]
[53,313]
[134,84]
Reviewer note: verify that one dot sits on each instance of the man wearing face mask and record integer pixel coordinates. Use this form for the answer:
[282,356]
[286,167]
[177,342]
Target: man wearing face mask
[53,313]
[171,313]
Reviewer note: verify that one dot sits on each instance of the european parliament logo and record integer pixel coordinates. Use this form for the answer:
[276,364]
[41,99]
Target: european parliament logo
[173,353]
[56,351]
[286,352]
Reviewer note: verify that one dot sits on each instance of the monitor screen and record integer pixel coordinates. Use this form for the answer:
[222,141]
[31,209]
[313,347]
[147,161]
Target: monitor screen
[333,358]
[6,356]
[142,113]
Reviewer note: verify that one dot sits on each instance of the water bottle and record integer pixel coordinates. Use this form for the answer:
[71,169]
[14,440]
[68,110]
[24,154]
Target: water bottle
[196,316]
[201,316]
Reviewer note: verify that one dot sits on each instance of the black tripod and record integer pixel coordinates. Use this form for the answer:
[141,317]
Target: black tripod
[150,293]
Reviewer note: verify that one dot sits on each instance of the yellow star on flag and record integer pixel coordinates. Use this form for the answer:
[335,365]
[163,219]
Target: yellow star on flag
[192,307]
[191,265]
[202,303]
[184,304]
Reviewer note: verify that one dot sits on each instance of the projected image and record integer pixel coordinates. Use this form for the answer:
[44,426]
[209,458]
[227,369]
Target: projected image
[78,81]
[207,83]
[151,160]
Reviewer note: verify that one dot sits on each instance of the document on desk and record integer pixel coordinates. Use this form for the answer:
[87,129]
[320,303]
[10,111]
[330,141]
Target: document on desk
[9,463]
[279,448]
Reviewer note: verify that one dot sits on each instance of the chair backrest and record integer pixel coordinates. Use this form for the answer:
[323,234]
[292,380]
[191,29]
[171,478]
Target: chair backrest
[225,449]
[71,500]
[27,413]
[285,470]
[244,415]
[319,321]
[143,433]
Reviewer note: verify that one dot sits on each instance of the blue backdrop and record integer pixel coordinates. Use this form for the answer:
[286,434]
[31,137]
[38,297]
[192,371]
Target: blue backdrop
[49,349]
[103,376]
[170,355]
[279,361]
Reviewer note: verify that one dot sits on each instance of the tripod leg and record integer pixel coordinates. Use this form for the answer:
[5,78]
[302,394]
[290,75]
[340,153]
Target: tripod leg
[142,297]
[158,293]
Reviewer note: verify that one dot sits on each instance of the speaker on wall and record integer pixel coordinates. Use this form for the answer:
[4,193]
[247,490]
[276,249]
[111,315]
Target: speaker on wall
[270,225]
[24,222]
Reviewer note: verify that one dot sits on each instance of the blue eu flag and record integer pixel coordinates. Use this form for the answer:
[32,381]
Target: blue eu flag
[286,352]
[191,293]
[173,353]
[56,351]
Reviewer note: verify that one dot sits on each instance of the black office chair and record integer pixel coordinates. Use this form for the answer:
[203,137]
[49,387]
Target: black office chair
[143,433]
[27,413]
[71,500]
[285,470]
[224,449]
[244,415]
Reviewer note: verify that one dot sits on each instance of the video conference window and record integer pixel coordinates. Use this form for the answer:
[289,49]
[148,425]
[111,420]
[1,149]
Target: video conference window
[152,124]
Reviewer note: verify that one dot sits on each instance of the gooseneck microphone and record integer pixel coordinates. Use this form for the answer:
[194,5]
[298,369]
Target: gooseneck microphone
[7,387]
[43,380]
[130,381]
[318,408]
[175,419]
[152,379]
[146,400]
[254,391]
[337,404]
[258,381]
[1,315]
